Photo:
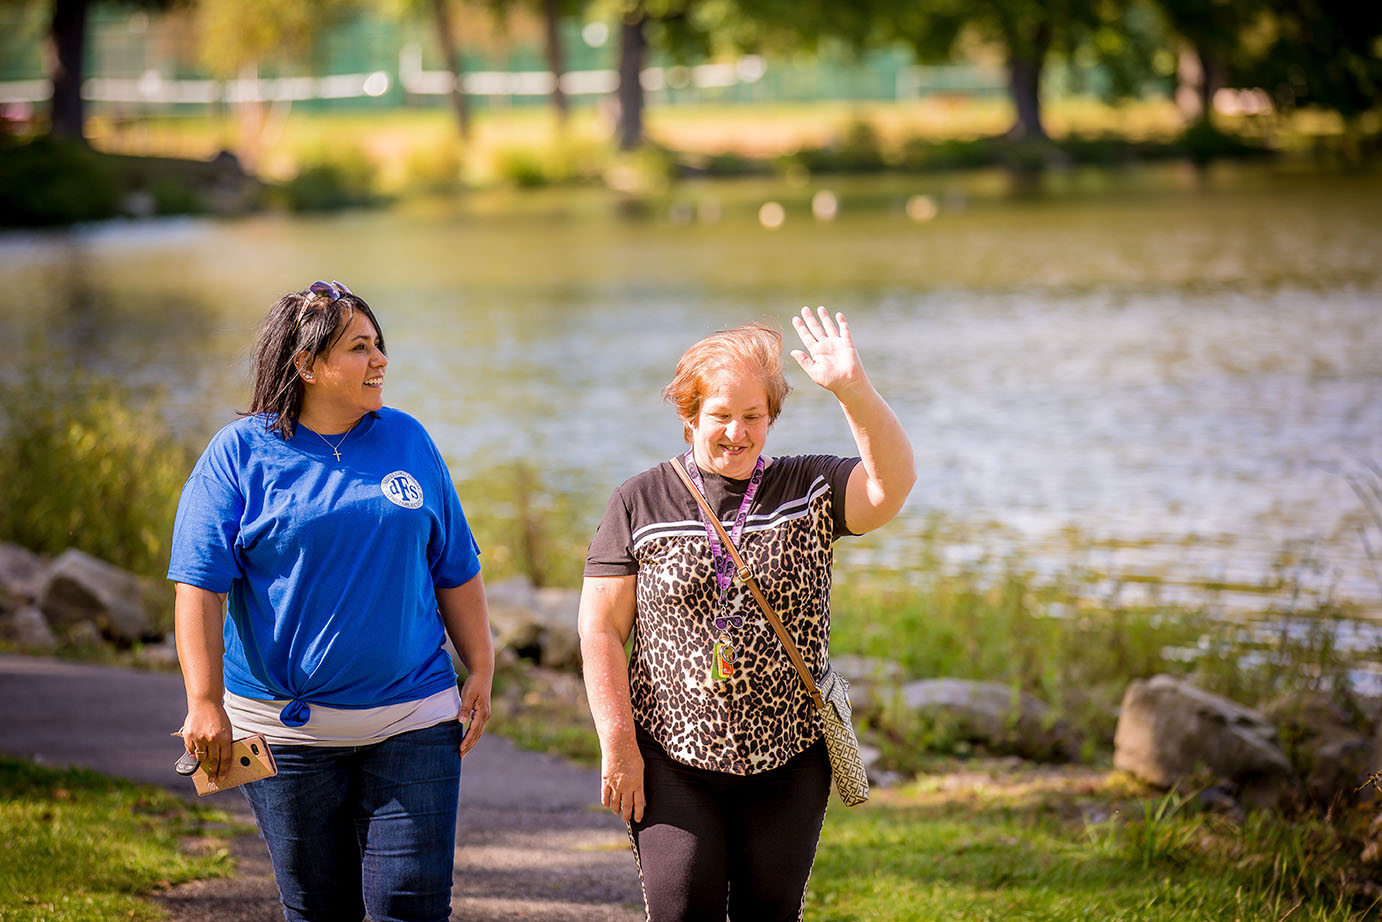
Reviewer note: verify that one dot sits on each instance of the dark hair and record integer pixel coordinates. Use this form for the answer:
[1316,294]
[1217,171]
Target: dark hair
[303,321]
[752,349]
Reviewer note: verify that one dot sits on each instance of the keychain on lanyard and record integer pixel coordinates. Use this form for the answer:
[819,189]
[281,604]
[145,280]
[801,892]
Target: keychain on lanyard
[722,664]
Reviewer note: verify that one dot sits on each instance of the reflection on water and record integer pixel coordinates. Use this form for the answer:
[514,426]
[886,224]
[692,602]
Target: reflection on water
[1150,373]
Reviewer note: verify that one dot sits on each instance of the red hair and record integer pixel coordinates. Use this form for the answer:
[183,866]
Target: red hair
[751,349]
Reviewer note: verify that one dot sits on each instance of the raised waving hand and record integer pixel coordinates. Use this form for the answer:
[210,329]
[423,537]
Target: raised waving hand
[879,484]
[830,358]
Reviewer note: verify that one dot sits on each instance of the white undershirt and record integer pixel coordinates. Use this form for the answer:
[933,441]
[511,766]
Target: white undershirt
[340,726]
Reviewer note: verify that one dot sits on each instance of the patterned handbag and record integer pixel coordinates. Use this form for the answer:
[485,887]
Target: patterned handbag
[846,762]
[831,696]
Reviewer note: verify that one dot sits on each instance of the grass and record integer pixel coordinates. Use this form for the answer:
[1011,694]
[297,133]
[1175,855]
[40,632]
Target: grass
[98,475]
[544,711]
[419,150]
[327,160]
[1050,638]
[528,527]
[968,841]
[79,847]
[93,473]
[1012,842]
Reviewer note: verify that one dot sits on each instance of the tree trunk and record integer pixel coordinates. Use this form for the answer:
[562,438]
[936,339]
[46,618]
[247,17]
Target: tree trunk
[1025,62]
[67,117]
[1211,80]
[442,16]
[556,59]
[633,46]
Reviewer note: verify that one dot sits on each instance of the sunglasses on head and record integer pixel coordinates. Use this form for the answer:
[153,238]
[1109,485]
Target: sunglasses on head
[332,289]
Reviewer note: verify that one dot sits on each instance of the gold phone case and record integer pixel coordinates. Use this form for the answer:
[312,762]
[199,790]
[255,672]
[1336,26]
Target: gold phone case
[250,760]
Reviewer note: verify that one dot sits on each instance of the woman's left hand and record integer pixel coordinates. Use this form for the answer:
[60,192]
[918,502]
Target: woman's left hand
[830,358]
[475,695]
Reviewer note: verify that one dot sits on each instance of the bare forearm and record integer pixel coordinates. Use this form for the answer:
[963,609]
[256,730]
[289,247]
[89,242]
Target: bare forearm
[197,626]
[465,614]
[607,689]
[197,622]
[608,610]
[885,452]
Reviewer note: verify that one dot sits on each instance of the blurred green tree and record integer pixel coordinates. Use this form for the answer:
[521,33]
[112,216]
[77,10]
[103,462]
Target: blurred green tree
[1121,40]
[1325,53]
[1321,53]
[1213,32]
[551,14]
[642,23]
[1118,36]
[237,38]
[451,20]
[67,61]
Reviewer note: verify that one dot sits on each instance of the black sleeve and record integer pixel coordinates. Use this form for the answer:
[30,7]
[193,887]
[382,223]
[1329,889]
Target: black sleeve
[611,550]
[836,472]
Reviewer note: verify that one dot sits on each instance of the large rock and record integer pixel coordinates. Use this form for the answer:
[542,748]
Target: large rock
[1338,770]
[873,682]
[80,588]
[21,572]
[1169,731]
[26,628]
[1377,752]
[1372,842]
[992,714]
[537,624]
[1323,739]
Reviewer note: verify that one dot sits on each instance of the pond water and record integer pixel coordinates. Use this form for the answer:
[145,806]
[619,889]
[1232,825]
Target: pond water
[1158,375]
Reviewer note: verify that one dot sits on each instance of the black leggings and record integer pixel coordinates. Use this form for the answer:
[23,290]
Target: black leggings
[712,842]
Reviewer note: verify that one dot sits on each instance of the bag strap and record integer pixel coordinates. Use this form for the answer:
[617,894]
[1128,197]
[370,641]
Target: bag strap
[744,573]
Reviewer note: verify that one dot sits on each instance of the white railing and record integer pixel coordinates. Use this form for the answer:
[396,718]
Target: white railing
[153,87]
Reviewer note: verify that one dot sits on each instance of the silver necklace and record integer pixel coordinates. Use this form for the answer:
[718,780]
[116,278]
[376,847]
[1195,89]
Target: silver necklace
[336,449]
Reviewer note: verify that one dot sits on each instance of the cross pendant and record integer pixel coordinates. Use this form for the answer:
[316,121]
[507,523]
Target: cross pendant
[337,454]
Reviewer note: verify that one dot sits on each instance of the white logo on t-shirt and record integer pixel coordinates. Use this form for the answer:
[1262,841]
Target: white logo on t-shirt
[402,489]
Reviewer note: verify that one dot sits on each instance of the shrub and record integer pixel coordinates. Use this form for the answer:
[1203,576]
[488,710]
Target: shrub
[434,169]
[522,167]
[341,179]
[1202,143]
[46,182]
[83,469]
[858,151]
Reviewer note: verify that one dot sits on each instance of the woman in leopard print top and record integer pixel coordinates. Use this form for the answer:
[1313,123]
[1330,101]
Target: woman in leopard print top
[712,751]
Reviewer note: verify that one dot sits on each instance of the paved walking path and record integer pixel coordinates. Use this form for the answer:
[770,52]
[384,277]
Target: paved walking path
[532,841]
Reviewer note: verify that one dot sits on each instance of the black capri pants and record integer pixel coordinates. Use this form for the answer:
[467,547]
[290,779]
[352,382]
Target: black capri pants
[712,843]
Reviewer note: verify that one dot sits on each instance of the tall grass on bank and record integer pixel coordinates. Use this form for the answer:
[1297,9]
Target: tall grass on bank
[526,527]
[80,847]
[1016,844]
[1047,637]
[84,467]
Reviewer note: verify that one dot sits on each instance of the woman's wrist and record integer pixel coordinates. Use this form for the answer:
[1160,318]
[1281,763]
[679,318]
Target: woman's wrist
[854,390]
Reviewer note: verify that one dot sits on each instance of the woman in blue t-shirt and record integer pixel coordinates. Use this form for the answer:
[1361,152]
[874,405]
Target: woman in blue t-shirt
[322,560]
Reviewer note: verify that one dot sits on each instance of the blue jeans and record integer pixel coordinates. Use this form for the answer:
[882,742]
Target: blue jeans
[371,828]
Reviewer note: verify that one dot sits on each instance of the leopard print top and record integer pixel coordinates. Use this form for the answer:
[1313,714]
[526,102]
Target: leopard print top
[761,717]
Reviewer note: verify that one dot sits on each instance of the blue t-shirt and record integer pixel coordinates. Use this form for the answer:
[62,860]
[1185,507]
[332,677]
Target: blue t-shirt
[331,567]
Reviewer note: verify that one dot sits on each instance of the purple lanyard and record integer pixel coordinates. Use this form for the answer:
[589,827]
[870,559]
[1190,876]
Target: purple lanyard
[724,567]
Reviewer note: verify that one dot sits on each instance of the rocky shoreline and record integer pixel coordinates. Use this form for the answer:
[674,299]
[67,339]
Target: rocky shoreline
[1313,752]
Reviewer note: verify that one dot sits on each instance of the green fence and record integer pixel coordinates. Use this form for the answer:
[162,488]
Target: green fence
[144,63]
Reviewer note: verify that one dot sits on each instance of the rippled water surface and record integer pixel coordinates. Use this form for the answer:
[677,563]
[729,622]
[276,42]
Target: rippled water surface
[1152,374]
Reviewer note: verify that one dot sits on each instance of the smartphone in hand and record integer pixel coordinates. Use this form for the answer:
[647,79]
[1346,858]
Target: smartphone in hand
[250,760]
